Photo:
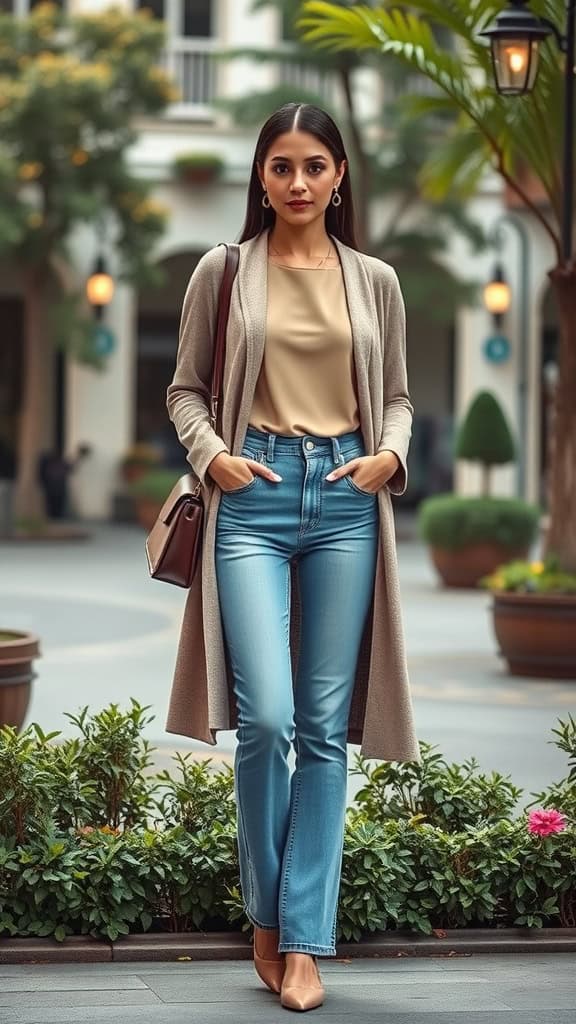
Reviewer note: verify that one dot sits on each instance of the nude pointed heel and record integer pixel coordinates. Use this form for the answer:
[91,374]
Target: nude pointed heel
[268,962]
[303,997]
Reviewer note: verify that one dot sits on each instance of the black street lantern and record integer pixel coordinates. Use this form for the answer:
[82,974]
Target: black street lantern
[99,287]
[497,295]
[514,40]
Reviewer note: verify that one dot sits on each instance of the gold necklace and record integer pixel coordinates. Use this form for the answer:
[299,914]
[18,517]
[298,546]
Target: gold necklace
[323,260]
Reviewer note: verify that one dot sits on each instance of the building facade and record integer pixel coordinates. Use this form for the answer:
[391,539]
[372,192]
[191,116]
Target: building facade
[125,402]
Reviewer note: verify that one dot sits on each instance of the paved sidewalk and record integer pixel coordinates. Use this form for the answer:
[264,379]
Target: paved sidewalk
[108,632]
[499,989]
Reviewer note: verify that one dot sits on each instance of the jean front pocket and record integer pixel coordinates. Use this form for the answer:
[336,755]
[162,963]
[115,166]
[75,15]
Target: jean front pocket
[358,490]
[243,488]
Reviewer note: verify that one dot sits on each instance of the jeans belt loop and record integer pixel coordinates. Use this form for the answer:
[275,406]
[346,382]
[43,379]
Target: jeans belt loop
[270,452]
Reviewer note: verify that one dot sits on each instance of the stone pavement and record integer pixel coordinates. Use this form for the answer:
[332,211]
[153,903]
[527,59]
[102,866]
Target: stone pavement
[496,989]
[109,632]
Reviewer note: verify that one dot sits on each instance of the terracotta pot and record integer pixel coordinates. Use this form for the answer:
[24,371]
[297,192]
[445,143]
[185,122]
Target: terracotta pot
[537,633]
[198,175]
[133,471]
[17,652]
[147,511]
[464,567]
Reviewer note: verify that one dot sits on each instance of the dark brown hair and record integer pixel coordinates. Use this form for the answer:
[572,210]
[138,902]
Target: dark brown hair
[340,220]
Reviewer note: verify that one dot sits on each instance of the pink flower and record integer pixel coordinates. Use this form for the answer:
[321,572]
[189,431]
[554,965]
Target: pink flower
[544,823]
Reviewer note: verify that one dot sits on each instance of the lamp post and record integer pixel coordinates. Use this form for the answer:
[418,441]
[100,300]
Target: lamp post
[497,297]
[515,39]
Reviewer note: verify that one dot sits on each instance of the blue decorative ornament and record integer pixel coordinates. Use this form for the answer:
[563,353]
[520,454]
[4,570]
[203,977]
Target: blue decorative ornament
[497,349]
[104,340]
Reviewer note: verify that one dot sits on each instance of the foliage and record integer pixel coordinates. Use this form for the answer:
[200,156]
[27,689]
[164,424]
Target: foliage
[155,484]
[531,578]
[453,521]
[141,454]
[385,155]
[451,797]
[488,130]
[198,161]
[70,87]
[484,435]
[426,846]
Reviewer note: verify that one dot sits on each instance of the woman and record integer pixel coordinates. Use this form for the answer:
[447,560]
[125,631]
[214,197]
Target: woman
[292,630]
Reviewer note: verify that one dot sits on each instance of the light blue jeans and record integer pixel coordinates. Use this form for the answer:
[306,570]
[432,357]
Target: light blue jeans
[291,826]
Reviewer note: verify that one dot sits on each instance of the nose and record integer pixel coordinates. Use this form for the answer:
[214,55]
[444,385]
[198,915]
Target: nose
[297,185]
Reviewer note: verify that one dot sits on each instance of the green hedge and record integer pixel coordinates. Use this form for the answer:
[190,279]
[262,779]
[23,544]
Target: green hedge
[155,484]
[453,521]
[92,843]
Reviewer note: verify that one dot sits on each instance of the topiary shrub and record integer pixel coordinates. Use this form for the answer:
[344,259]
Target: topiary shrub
[452,521]
[485,436]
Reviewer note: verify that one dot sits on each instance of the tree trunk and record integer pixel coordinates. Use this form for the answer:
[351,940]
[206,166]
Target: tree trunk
[363,190]
[561,539]
[485,485]
[36,384]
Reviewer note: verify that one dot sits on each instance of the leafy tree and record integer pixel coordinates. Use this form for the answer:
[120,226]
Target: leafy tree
[484,436]
[415,237]
[70,88]
[507,134]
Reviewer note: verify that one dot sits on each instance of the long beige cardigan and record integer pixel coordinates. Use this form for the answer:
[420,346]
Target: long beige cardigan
[202,700]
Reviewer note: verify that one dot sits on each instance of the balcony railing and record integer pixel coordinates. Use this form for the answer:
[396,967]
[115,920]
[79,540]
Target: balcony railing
[193,68]
[305,77]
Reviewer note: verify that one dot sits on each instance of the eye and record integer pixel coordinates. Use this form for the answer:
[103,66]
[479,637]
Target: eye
[320,167]
[279,167]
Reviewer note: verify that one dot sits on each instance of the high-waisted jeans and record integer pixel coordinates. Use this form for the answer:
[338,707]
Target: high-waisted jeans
[291,826]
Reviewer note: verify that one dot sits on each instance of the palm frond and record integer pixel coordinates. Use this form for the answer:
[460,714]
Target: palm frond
[513,133]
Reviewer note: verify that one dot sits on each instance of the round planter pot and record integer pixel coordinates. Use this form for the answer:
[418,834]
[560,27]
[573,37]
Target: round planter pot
[537,633]
[147,511]
[199,176]
[464,567]
[17,652]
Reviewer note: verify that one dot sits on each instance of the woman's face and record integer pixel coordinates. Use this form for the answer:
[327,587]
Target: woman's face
[299,167]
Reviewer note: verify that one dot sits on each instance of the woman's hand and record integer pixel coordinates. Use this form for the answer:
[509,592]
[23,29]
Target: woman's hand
[229,471]
[372,471]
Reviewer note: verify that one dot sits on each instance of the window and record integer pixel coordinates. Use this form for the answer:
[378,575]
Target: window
[193,19]
[156,6]
[196,18]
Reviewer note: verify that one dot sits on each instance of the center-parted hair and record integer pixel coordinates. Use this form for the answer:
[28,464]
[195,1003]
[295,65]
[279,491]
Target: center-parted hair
[340,220]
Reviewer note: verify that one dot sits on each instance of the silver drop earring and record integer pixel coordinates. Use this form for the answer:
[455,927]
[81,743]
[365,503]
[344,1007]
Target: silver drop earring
[265,200]
[336,198]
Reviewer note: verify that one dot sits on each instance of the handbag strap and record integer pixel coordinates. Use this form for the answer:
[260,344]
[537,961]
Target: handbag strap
[230,269]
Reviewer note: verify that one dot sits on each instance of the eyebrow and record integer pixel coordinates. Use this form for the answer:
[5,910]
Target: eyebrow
[287,160]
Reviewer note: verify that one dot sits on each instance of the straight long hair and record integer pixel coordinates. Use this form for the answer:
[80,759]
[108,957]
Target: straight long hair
[340,220]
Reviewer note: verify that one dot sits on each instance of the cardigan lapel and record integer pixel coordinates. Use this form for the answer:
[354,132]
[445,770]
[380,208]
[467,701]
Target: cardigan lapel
[364,325]
[253,293]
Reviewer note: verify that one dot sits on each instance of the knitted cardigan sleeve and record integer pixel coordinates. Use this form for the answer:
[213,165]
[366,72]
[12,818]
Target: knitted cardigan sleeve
[398,410]
[188,395]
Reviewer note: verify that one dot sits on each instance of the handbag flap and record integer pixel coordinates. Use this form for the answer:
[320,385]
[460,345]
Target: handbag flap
[183,488]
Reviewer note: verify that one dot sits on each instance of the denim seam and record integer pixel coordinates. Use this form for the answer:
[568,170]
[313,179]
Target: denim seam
[290,846]
[249,896]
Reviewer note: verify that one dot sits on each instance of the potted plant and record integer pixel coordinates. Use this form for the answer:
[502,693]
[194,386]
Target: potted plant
[534,617]
[17,652]
[470,536]
[139,458]
[198,168]
[150,492]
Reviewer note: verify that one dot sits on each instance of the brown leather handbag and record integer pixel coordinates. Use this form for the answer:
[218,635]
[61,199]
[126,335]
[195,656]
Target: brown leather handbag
[174,542]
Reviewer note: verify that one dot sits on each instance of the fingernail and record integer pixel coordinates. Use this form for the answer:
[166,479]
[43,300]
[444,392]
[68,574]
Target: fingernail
[276,477]
[330,476]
